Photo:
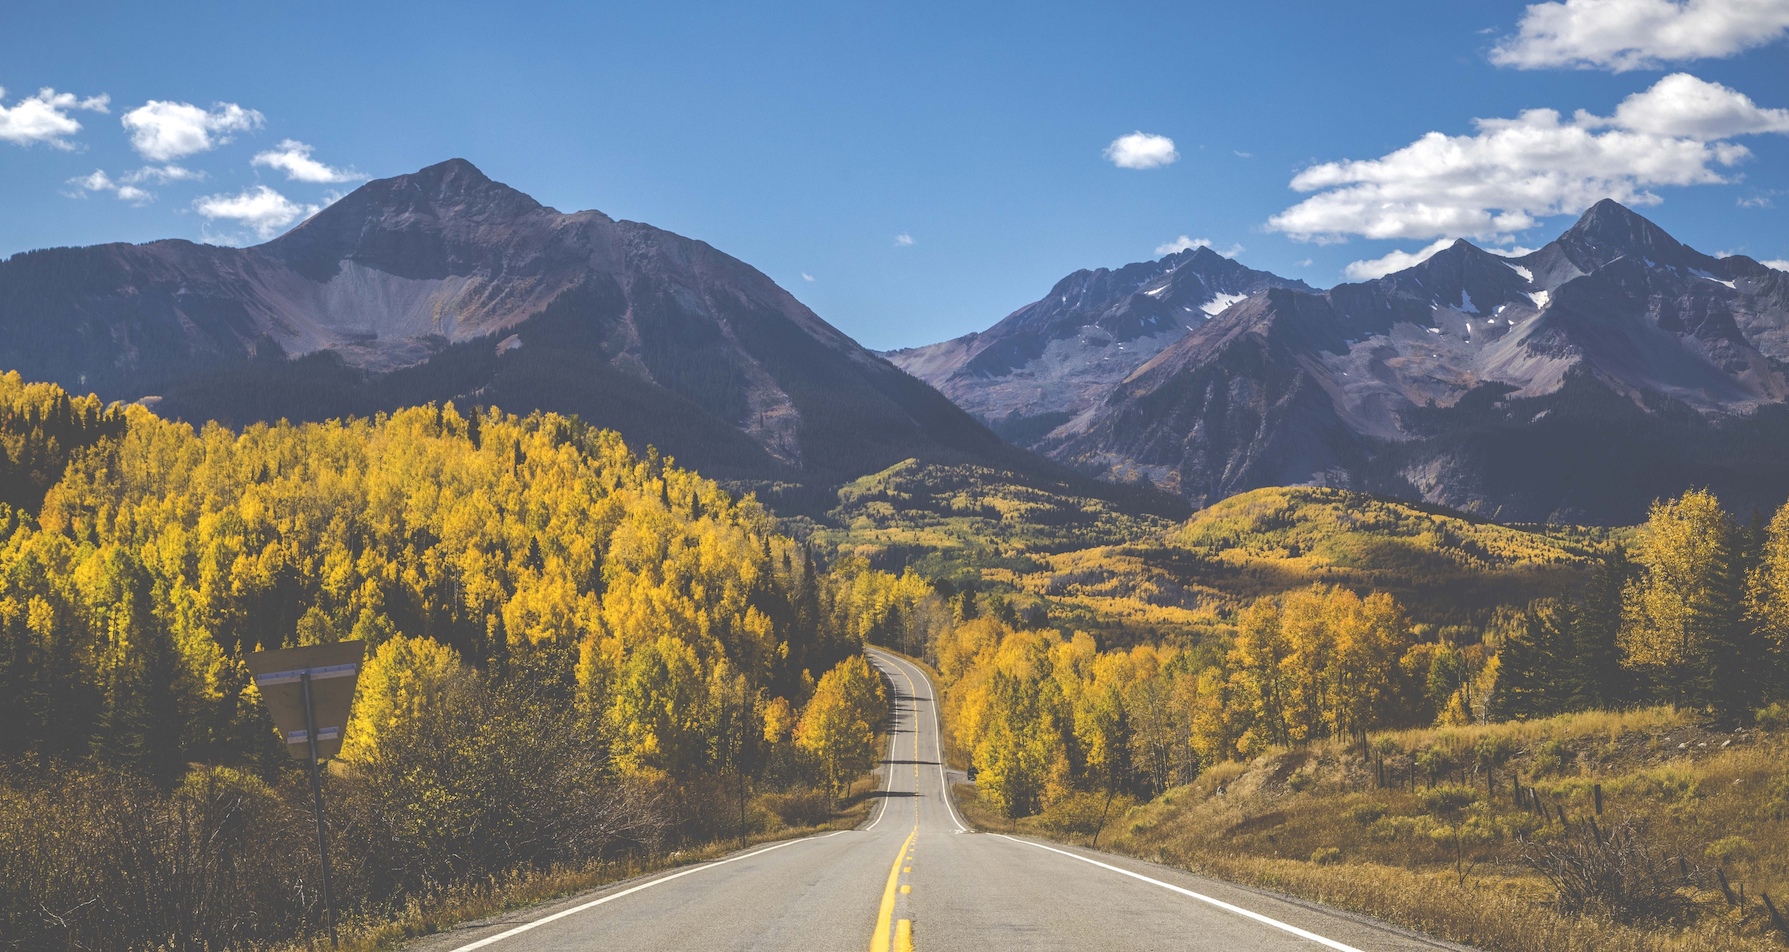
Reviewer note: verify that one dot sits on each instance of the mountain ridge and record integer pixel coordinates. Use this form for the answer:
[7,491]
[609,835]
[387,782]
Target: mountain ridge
[1057,354]
[1399,385]
[445,285]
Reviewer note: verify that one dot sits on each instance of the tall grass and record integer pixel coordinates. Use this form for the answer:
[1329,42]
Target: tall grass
[1459,856]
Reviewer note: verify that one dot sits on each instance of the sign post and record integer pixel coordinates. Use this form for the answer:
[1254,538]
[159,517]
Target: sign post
[310,693]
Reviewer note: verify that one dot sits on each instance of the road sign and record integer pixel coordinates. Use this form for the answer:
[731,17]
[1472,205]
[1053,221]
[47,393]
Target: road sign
[310,693]
[331,670]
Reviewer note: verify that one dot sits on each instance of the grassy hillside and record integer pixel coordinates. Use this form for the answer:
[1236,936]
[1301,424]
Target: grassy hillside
[1444,845]
[950,517]
[1135,578]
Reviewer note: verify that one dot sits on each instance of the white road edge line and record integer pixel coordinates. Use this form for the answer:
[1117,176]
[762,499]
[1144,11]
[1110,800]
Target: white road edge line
[937,739]
[1227,907]
[526,926]
[894,737]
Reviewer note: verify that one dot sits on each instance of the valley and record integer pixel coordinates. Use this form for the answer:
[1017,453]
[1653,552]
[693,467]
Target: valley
[1201,560]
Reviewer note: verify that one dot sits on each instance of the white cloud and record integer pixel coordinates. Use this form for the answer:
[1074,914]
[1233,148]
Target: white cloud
[1500,180]
[904,240]
[261,209]
[162,175]
[44,117]
[1754,201]
[808,277]
[1243,155]
[1183,243]
[1140,150]
[1620,35]
[99,181]
[1512,251]
[294,158]
[162,131]
[1396,261]
[1781,264]
[1682,105]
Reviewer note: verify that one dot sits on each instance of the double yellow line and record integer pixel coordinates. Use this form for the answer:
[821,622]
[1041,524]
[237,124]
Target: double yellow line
[903,931]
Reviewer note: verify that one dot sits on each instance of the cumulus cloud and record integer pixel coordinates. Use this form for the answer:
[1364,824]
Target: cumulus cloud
[1396,261]
[1512,172]
[1183,243]
[904,240]
[808,277]
[1140,150]
[99,181]
[262,210]
[163,131]
[1620,35]
[45,117]
[294,158]
[1680,105]
[1781,264]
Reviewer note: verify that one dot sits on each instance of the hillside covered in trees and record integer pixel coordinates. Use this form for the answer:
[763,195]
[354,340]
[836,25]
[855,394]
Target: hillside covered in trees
[583,654]
[576,653]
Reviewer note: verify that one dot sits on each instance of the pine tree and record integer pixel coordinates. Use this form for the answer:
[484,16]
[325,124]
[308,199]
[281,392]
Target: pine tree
[1530,664]
[1735,654]
[1597,678]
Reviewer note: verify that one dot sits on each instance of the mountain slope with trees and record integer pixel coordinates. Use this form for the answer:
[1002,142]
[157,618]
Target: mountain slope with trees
[577,654]
[445,285]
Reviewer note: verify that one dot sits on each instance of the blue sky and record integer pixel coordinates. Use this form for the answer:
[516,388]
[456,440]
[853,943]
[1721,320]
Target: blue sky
[806,138]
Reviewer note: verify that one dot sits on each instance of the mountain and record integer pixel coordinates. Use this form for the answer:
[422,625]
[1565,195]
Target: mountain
[1579,382]
[445,285]
[1056,357]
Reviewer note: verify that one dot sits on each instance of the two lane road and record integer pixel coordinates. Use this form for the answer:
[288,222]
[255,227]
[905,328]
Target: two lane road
[914,877]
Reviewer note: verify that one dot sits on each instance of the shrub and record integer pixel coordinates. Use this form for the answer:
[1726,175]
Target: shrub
[802,807]
[106,860]
[1774,717]
[1080,813]
[1366,814]
[1448,799]
[1550,758]
[1326,855]
[1728,849]
[1619,873]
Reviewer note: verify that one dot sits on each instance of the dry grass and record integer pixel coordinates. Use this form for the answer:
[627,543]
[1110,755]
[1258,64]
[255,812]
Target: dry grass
[1447,858]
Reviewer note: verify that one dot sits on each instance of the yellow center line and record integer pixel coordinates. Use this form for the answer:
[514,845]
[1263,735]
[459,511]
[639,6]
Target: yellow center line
[904,936]
[885,917]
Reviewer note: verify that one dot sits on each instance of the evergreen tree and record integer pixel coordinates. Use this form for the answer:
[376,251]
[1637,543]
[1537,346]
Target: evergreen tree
[1531,662]
[1597,678]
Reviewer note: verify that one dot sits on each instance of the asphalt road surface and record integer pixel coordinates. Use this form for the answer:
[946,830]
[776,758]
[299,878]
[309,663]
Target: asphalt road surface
[914,877]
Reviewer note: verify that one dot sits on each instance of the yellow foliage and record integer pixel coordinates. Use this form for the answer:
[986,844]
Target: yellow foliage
[397,684]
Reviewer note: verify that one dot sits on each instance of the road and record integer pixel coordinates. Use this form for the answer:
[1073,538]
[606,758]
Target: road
[914,877]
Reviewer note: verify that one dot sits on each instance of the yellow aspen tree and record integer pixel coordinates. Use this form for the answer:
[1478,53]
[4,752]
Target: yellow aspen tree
[834,730]
[398,684]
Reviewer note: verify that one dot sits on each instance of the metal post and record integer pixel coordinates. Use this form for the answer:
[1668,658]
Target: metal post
[310,733]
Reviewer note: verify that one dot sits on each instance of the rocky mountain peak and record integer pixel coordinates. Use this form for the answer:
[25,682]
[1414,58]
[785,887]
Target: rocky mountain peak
[1610,230]
[440,220]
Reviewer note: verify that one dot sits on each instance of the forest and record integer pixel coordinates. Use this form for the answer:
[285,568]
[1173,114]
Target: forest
[576,653]
[582,654]
[1691,612]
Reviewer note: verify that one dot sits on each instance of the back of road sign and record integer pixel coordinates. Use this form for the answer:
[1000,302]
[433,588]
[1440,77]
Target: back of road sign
[333,669]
